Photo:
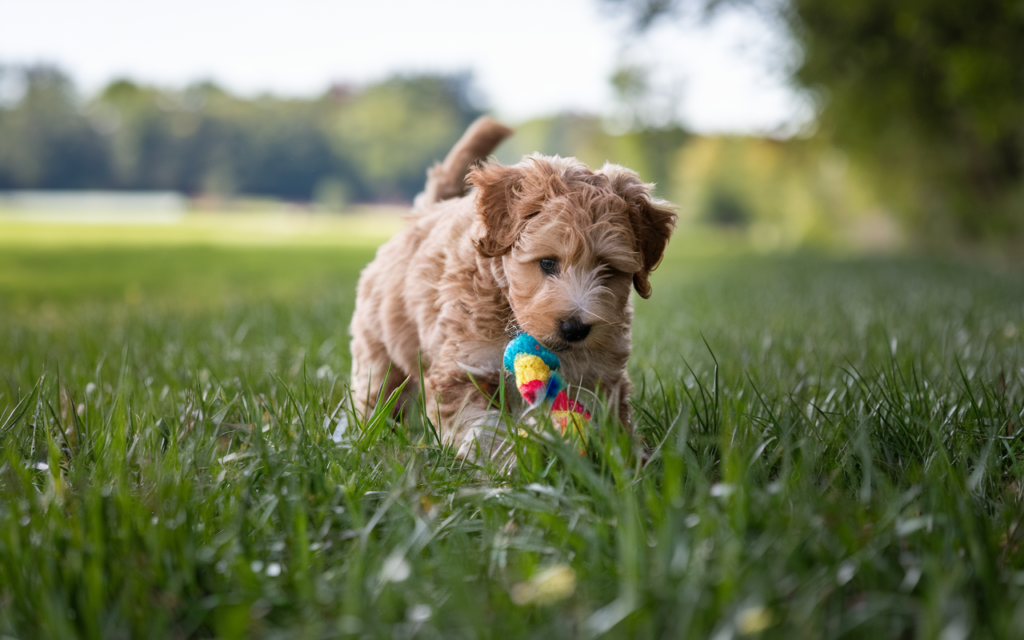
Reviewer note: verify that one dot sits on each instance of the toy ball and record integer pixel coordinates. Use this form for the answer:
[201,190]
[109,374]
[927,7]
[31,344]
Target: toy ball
[536,372]
[535,368]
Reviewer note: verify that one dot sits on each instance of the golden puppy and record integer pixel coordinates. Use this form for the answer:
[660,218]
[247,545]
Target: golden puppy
[546,246]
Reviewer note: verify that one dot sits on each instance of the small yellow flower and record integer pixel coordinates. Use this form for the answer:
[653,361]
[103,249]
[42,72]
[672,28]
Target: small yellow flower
[554,584]
[753,620]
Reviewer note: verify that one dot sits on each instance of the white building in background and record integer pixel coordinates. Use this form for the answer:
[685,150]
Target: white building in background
[134,207]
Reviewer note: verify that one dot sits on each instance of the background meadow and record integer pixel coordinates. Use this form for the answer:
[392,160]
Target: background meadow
[827,446]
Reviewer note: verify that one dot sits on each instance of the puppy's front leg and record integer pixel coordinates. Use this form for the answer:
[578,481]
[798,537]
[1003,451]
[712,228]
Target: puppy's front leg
[466,414]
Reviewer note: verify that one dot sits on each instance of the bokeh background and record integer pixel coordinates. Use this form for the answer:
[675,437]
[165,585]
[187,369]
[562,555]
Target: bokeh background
[871,126]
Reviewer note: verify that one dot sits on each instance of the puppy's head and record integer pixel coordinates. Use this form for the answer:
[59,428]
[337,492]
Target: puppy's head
[572,242]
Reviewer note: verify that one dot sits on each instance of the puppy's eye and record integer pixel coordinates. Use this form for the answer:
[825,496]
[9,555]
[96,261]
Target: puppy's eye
[549,266]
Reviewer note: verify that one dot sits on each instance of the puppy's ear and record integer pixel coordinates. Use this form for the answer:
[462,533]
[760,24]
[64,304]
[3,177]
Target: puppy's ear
[498,191]
[652,221]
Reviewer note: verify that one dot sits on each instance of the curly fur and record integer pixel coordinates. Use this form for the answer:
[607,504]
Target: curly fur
[441,294]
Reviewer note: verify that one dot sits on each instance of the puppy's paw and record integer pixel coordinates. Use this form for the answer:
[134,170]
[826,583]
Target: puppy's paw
[485,440]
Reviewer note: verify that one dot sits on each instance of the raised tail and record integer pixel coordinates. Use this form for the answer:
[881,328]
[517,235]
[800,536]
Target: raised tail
[448,179]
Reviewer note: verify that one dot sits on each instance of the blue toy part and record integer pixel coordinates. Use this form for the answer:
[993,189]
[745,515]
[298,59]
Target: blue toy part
[535,369]
[525,343]
[555,385]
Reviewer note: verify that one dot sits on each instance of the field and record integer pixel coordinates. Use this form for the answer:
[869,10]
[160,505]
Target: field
[831,447]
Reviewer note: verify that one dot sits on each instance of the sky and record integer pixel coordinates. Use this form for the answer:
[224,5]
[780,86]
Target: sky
[529,58]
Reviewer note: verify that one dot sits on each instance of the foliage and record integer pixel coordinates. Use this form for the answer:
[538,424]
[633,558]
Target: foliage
[395,129]
[929,88]
[44,141]
[926,96]
[727,209]
[203,139]
[371,143]
[789,192]
[833,448]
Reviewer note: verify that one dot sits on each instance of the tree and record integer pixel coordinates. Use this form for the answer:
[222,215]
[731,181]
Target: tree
[933,92]
[371,143]
[392,131]
[46,142]
[928,93]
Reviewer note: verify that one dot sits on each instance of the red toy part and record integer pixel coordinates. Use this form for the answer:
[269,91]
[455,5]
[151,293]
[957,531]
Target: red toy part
[530,389]
[562,402]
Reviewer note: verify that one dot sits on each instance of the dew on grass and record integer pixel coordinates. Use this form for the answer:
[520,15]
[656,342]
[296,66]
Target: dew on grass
[722,490]
[846,571]
[910,525]
[395,568]
[418,613]
[910,579]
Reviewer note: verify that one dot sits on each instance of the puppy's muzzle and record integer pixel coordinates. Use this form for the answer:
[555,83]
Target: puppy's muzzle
[573,330]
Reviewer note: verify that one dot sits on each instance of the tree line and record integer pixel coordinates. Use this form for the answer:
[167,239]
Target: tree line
[923,100]
[368,143]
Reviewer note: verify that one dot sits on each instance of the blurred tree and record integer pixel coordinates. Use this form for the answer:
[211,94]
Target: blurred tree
[932,93]
[727,209]
[391,132]
[45,140]
[650,122]
[928,93]
[203,139]
[372,143]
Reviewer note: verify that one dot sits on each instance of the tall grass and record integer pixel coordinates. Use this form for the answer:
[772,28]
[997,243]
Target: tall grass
[825,448]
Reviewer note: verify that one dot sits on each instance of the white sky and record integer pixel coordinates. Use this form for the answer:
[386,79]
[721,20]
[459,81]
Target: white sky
[528,57]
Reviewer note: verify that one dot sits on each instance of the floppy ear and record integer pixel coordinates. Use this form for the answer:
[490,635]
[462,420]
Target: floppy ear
[498,190]
[652,221]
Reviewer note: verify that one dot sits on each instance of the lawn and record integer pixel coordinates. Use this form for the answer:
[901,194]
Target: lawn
[831,447]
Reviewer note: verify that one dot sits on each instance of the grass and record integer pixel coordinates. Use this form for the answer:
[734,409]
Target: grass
[832,448]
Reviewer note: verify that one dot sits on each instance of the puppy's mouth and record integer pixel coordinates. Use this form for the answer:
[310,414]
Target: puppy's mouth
[554,343]
[557,345]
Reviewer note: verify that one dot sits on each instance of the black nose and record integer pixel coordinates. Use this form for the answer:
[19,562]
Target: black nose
[573,330]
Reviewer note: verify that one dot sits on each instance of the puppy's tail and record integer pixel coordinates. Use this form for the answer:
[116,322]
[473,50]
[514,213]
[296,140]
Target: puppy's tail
[448,179]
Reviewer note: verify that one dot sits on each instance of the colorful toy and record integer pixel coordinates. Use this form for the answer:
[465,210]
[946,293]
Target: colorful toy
[535,368]
[536,371]
[566,411]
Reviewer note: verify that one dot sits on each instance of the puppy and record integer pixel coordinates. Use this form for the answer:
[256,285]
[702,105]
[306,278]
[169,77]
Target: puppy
[546,246]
